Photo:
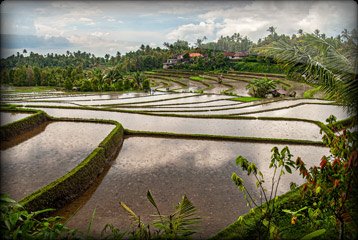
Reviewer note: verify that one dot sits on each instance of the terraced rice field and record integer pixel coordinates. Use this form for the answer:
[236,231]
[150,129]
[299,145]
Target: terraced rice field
[181,163]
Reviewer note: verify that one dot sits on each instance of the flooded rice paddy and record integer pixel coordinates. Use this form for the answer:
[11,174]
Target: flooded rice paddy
[309,111]
[171,168]
[9,117]
[47,153]
[211,126]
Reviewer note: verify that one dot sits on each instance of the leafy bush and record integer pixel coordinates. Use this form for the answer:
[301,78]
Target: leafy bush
[261,87]
[331,183]
[17,223]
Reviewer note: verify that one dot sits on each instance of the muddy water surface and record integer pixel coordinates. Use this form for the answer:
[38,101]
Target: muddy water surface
[9,117]
[48,155]
[226,127]
[171,168]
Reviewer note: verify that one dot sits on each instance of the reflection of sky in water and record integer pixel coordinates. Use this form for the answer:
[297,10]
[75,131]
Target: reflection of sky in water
[145,98]
[7,117]
[308,111]
[225,127]
[48,155]
[195,99]
[172,167]
[261,107]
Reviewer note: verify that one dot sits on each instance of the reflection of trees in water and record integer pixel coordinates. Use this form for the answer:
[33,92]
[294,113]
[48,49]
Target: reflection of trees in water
[23,137]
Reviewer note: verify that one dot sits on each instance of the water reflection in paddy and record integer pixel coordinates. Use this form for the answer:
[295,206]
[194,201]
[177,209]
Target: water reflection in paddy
[261,107]
[194,99]
[171,168]
[55,150]
[146,98]
[41,103]
[82,97]
[225,127]
[309,111]
[9,117]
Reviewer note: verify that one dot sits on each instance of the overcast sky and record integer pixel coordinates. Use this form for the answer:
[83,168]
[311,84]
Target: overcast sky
[102,27]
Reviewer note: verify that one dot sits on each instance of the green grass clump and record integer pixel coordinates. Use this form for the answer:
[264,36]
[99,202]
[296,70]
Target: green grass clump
[196,78]
[245,99]
[311,92]
[33,89]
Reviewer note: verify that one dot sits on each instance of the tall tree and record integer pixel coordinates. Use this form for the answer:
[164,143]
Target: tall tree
[345,34]
[316,32]
[272,30]
[300,32]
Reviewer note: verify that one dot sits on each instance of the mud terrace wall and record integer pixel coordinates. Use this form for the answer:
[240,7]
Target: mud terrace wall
[70,186]
[21,126]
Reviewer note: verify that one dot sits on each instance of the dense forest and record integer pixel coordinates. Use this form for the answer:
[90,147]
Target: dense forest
[91,73]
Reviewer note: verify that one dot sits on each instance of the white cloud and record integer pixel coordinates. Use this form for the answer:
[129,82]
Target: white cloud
[88,21]
[119,21]
[191,32]
[111,19]
[132,48]
[83,19]
[48,31]
[97,34]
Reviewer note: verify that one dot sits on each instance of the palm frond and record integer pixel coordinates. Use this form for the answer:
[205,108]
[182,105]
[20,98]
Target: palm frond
[132,215]
[185,216]
[324,64]
[183,222]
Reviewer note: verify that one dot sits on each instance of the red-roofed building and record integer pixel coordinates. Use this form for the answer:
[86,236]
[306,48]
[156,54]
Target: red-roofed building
[241,55]
[229,54]
[195,55]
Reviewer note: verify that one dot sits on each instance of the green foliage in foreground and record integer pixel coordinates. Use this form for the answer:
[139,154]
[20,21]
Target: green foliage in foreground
[245,99]
[325,206]
[18,223]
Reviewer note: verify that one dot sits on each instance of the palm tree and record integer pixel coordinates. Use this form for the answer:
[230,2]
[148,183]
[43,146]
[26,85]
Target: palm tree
[300,32]
[106,57]
[316,32]
[237,37]
[321,61]
[338,38]
[345,34]
[139,77]
[272,30]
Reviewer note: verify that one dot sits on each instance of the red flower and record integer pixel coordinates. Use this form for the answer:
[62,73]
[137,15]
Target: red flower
[336,183]
[323,162]
[346,165]
[336,161]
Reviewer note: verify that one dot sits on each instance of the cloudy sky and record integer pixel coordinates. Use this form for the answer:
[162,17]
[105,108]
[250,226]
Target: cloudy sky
[102,27]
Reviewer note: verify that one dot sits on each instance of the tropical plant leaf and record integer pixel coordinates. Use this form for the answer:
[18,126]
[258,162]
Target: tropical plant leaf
[314,234]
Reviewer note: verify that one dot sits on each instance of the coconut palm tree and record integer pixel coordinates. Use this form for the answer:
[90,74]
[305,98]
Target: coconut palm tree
[272,30]
[300,32]
[323,63]
[345,34]
[316,32]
